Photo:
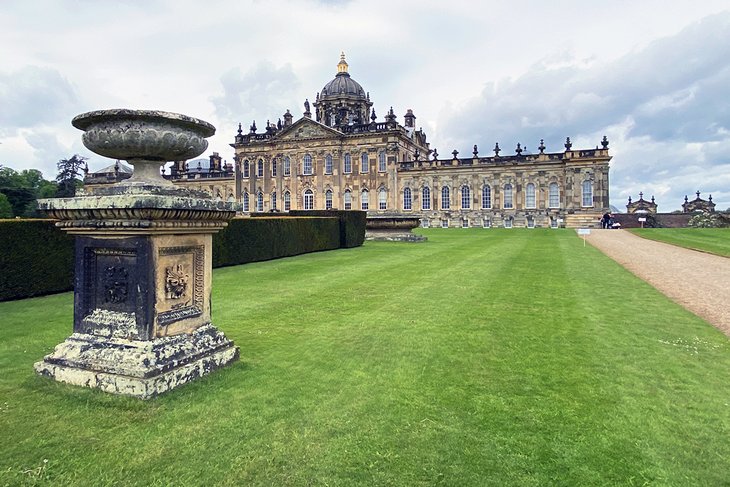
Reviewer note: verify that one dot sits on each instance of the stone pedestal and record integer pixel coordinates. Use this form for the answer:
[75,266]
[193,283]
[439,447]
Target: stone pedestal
[142,311]
[393,228]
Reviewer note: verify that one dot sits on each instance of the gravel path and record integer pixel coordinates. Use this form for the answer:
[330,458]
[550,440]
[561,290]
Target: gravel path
[698,281]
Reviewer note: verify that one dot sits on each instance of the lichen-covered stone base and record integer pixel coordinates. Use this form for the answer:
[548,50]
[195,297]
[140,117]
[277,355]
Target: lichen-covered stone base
[386,236]
[142,369]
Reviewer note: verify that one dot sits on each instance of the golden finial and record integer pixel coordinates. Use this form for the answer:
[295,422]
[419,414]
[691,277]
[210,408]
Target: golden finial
[342,66]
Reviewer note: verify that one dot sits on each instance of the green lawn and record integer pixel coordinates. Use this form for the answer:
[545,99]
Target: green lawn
[712,240]
[481,357]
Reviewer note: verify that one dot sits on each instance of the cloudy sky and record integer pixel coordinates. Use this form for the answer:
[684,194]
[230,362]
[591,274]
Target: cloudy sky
[654,76]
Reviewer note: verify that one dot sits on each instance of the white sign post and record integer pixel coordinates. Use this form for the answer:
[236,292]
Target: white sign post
[584,232]
[642,220]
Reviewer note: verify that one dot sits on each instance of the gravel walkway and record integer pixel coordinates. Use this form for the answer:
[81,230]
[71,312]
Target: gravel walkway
[698,281]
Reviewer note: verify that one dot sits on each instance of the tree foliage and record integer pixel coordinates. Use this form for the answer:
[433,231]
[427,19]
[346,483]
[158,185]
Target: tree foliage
[69,175]
[22,189]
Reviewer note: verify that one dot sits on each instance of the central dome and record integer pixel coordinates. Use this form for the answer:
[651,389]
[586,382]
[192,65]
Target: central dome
[343,84]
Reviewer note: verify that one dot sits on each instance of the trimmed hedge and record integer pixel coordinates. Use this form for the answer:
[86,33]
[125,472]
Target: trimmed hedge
[36,258]
[256,239]
[352,224]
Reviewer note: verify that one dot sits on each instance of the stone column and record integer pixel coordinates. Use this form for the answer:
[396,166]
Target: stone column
[142,312]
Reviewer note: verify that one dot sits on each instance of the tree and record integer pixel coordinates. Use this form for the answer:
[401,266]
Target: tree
[6,209]
[22,189]
[69,175]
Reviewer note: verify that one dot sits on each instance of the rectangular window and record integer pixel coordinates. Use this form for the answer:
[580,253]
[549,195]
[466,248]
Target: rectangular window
[424,223]
[364,164]
[487,223]
[530,196]
[348,200]
[274,163]
[445,223]
[465,223]
[530,223]
[381,162]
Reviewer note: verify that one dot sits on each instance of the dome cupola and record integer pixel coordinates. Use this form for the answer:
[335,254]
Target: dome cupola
[342,101]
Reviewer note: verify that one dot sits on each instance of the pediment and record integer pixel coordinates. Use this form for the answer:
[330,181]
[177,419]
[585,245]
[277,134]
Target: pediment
[306,128]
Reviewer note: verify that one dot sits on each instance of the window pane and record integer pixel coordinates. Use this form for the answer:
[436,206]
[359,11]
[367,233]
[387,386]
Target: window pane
[508,196]
[381,162]
[382,199]
[348,164]
[426,198]
[287,166]
[287,201]
[328,200]
[245,201]
[530,196]
[554,196]
[307,164]
[364,198]
[587,193]
[348,200]
[465,198]
[364,163]
[486,197]
[328,164]
[445,198]
[407,199]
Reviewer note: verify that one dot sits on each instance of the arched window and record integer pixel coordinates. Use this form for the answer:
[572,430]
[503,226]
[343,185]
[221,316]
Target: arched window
[587,193]
[381,162]
[530,196]
[245,201]
[328,199]
[307,164]
[364,199]
[348,199]
[328,164]
[465,197]
[260,201]
[287,201]
[308,200]
[553,195]
[382,199]
[426,198]
[287,166]
[445,198]
[508,197]
[246,170]
[348,164]
[260,168]
[274,163]
[486,197]
[272,203]
[364,163]
[407,199]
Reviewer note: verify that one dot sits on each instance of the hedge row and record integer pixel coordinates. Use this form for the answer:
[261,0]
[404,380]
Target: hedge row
[256,239]
[37,258]
[352,224]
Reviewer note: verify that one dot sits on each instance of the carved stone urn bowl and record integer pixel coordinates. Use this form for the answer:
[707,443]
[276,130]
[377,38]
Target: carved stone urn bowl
[144,138]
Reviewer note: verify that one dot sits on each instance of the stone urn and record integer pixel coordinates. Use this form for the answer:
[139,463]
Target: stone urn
[142,285]
[393,228]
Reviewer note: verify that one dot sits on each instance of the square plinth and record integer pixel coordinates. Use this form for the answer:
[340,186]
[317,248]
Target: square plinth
[139,368]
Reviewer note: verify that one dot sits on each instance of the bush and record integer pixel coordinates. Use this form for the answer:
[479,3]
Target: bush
[708,220]
[36,259]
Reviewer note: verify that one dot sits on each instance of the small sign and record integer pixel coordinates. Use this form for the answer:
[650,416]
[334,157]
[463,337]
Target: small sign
[642,219]
[584,231]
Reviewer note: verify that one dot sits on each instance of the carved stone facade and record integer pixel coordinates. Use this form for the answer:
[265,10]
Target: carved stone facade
[341,161]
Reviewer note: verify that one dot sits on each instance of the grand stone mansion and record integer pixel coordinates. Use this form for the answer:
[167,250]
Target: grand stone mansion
[338,155]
